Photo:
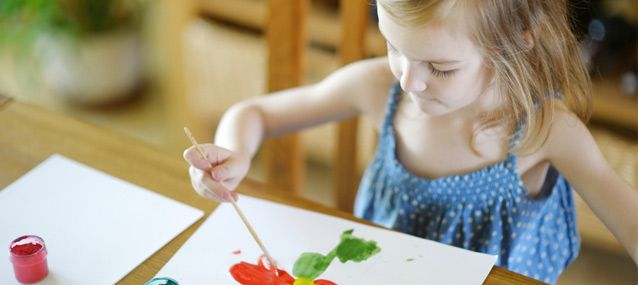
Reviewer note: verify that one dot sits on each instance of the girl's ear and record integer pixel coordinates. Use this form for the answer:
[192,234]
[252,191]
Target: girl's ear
[529,39]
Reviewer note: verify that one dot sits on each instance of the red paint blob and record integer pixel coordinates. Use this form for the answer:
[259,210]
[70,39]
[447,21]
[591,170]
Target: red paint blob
[251,274]
[29,258]
[237,251]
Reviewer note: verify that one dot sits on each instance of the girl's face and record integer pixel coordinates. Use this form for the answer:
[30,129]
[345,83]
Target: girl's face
[438,66]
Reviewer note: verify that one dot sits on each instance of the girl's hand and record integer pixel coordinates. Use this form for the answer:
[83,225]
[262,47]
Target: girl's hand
[216,177]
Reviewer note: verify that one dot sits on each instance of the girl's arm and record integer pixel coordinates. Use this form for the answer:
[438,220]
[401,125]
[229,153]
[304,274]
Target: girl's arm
[573,151]
[359,88]
[355,89]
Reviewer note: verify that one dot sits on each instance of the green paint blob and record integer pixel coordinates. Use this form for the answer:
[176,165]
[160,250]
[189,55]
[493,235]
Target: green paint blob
[356,249]
[311,265]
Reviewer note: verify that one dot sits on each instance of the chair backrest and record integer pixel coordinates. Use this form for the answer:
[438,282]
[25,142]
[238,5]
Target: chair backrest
[285,34]
[354,20]
[286,42]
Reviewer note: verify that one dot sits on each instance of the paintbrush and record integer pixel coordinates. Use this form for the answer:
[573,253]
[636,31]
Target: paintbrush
[237,209]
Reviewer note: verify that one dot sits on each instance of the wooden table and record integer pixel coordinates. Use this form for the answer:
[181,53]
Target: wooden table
[30,134]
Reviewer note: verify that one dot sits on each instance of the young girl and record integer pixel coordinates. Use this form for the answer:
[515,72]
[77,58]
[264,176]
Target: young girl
[480,106]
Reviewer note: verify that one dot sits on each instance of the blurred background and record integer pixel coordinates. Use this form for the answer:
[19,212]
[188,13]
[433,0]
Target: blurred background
[147,68]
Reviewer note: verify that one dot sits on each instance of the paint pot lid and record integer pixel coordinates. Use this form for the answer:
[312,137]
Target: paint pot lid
[35,244]
[161,281]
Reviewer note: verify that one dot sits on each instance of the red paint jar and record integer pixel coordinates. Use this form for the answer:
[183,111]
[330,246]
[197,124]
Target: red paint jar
[29,258]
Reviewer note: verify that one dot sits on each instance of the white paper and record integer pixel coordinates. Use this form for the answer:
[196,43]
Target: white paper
[287,232]
[96,228]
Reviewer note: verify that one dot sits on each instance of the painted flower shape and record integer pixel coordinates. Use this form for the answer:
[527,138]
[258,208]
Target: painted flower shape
[308,266]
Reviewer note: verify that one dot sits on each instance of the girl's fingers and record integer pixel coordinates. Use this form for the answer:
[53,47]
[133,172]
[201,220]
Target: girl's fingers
[216,193]
[208,188]
[233,196]
[231,172]
[192,156]
[221,172]
[215,155]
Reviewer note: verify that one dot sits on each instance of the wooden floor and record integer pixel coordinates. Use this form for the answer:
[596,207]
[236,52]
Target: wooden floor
[220,72]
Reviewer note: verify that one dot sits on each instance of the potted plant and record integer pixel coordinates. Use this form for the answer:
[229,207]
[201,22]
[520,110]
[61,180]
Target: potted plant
[88,50]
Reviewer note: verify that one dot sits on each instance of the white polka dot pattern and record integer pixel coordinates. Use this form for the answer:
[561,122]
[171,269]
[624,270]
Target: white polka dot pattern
[486,210]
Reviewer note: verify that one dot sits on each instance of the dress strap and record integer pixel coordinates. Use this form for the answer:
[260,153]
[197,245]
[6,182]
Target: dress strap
[391,106]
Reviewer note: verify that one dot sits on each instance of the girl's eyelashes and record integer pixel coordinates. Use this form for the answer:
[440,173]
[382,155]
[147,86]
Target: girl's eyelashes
[438,73]
[441,73]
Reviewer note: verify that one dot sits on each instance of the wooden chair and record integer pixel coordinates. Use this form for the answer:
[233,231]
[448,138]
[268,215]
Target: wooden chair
[286,44]
[284,25]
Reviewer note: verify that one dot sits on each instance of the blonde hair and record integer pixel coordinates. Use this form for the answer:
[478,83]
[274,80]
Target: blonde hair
[531,49]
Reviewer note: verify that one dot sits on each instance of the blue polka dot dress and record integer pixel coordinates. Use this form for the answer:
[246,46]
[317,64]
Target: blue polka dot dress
[486,210]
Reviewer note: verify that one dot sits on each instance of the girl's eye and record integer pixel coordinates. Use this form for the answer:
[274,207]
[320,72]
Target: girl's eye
[442,74]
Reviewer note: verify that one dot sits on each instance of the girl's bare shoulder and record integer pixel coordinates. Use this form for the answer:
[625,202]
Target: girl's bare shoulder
[565,131]
[368,84]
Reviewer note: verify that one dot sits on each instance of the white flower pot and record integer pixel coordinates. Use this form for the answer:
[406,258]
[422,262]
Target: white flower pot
[95,70]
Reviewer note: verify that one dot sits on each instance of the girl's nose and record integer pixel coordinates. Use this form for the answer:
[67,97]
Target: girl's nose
[412,79]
